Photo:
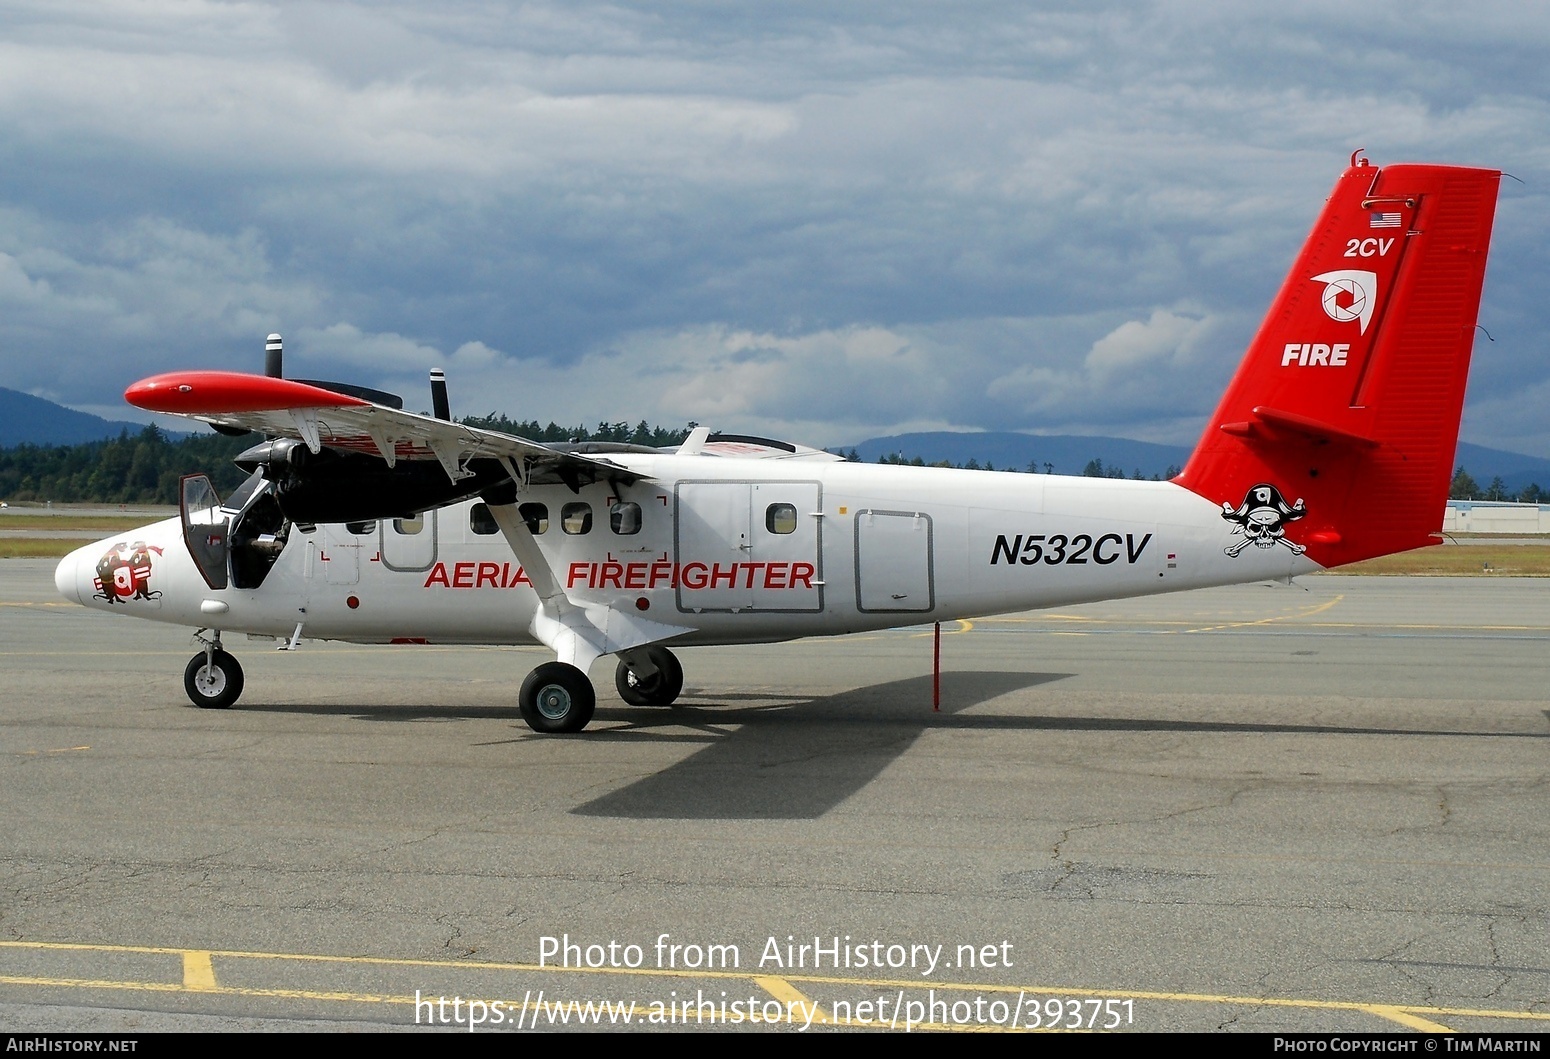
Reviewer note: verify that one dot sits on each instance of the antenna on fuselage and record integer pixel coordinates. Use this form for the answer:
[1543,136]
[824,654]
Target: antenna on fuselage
[274,357]
[439,406]
[694,442]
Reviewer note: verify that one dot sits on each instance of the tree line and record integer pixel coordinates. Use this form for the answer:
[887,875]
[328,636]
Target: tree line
[1464,487]
[144,468]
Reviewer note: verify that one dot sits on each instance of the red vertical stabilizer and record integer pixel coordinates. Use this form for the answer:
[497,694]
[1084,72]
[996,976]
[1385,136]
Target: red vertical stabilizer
[1350,395]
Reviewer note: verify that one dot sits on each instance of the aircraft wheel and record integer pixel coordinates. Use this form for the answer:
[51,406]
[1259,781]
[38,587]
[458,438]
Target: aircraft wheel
[662,689]
[557,697]
[214,685]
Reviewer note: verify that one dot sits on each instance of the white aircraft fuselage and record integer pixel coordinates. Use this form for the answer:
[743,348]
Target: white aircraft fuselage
[872,547]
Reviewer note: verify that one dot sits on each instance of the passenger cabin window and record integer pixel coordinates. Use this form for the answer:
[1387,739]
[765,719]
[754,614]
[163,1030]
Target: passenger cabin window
[481,521]
[576,519]
[361,529]
[624,518]
[780,518]
[536,516]
[409,526]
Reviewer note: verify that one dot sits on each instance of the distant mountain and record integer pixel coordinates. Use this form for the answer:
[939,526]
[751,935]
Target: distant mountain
[1516,470]
[29,420]
[1070,454]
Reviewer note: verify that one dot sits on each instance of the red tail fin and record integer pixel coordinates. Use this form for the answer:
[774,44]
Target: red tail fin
[1350,394]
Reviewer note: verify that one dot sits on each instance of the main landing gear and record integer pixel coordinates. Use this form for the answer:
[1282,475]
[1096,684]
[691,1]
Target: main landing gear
[557,697]
[650,676]
[212,678]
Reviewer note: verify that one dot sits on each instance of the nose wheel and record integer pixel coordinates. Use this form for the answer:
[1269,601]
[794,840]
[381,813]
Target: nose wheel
[213,679]
[651,676]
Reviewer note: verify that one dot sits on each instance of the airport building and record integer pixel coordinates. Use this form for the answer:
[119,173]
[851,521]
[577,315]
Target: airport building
[1495,516]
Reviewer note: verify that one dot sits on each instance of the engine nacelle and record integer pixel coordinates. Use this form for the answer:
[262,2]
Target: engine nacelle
[279,453]
[333,486]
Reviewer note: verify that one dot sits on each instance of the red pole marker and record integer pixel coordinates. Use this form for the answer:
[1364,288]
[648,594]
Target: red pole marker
[936,671]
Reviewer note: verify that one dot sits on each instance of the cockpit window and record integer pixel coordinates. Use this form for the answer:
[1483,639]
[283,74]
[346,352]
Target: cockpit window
[239,500]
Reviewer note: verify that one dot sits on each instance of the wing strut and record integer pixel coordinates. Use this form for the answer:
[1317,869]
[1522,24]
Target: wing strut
[578,632]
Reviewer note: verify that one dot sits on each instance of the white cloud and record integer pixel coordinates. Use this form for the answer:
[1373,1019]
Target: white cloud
[826,383]
[16,285]
[820,222]
[1164,336]
[381,353]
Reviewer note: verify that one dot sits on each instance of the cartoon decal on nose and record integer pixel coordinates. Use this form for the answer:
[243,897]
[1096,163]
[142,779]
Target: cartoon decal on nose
[1261,519]
[124,573]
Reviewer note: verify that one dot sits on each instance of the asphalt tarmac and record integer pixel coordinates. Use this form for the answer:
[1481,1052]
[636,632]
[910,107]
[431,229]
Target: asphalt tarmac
[1316,807]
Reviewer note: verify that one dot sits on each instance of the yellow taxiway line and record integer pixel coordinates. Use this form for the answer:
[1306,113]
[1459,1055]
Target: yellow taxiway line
[199,976]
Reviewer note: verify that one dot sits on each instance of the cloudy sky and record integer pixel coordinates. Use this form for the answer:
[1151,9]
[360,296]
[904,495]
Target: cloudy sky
[819,220]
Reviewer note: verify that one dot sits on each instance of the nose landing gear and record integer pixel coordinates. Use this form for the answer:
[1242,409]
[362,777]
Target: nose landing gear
[212,678]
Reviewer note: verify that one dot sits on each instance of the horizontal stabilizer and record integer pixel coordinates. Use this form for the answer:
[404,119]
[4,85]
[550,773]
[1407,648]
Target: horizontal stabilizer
[1302,426]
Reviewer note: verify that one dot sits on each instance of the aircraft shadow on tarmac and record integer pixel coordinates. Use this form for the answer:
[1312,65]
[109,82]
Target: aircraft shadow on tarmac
[795,759]
[799,760]
[782,756]
[704,714]
[777,756]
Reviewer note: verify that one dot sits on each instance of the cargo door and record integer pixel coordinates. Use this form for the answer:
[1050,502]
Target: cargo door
[893,562]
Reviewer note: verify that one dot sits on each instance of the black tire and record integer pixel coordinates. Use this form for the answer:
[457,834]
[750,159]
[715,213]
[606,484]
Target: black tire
[557,697]
[213,687]
[661,690]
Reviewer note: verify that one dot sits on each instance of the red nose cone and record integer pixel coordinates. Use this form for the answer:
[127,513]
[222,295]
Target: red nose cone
[213,392]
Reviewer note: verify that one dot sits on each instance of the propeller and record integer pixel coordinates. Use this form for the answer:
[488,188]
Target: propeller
[439,406]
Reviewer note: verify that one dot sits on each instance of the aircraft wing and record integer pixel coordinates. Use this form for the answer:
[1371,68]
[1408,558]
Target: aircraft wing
[323,418]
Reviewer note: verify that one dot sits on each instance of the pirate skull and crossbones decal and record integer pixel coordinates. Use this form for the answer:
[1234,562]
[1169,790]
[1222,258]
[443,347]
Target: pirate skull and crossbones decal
[1261,519]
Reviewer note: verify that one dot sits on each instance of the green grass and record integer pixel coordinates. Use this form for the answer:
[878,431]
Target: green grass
[37,547]
[1485,560]
[54,547]
[72,522]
